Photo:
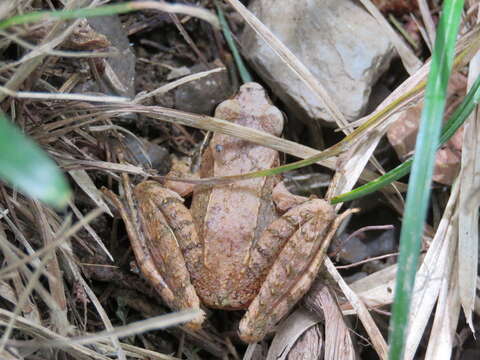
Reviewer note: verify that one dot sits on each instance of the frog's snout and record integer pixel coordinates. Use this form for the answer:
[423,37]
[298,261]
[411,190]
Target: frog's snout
[252,87]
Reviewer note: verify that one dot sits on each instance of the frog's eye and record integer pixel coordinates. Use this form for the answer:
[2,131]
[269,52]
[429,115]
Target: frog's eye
[275,122]
[218,148]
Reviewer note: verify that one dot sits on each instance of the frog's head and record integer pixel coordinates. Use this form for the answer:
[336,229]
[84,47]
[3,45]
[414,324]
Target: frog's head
[251,107]
[252,89]
[261,108]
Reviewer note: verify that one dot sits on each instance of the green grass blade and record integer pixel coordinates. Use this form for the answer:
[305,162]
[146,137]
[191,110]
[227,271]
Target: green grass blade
[456,120]
[422,170]
[24,165]
[66,14]
[242,69]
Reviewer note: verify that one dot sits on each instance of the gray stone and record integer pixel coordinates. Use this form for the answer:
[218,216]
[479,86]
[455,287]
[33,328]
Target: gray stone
[119,73]
[203,95]
[340,43]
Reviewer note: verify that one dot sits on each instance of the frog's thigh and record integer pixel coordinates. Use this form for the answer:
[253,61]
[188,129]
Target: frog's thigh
[171,240]
[293,270]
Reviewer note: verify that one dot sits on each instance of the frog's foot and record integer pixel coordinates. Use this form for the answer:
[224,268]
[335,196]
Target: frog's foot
[294,269]
[196,323]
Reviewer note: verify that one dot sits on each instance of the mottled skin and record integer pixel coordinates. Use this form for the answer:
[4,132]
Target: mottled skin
[232,246]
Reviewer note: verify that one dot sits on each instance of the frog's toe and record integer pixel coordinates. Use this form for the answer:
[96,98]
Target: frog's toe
[196,323]
[252,331]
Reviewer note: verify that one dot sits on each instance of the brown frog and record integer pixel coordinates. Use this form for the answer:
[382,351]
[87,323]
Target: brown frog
[232,250]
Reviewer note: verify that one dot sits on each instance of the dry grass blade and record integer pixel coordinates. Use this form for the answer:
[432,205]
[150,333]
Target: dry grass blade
[20,238]
[110,333]
[62,96]
[406,94]
[219,125]
[137,352]
[384,115]
[409,60]
[423,32]
[104,165]
[155,323]
[32,281]
[7,8]
[292,62]
[436,266]
[59,53]
[359,154]
[229,128]
[55,282]
[30,309]
[84,181]
[442,337]
[288,333]
[37,331]
[177,8]
[362,312]
[375,290]
[338,339]
[466,48]
[35,58]
[23,303]
[57,310]
[91,231]
[468,206]
[58,34]
[371,328]
[57,242]
[7,292]
[81,137]
[428,21]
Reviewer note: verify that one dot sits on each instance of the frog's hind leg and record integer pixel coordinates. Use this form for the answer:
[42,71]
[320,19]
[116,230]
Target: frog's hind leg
[294,268]
[170,241]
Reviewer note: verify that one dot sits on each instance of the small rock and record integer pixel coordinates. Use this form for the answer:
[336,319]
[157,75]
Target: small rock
[117,73]
[470,354]
[203,95]
[349,279]
[402,135]
[341,44]
[119,70]
[147,154]
[397,7]
[359,248]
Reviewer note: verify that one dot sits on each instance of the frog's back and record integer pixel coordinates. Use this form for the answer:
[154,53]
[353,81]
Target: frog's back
[230,217]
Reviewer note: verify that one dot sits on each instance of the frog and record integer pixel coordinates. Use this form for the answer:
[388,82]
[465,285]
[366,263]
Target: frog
[234,249]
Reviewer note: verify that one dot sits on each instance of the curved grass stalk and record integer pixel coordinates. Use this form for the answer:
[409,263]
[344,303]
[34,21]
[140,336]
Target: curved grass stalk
[36,16]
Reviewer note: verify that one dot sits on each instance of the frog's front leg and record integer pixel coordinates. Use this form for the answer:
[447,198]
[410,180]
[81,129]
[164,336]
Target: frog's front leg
[171,244]
[303,233]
